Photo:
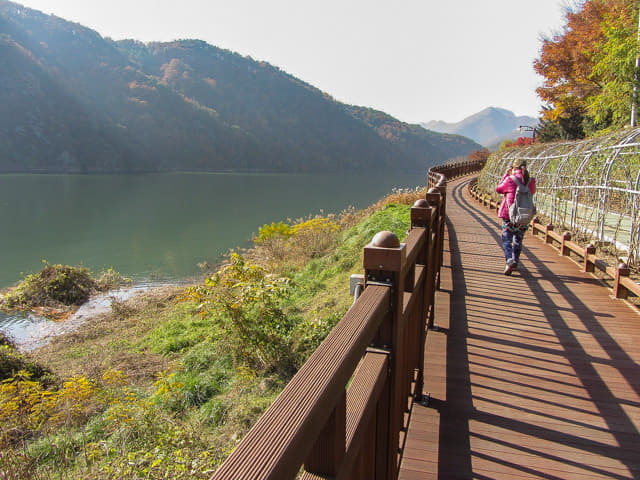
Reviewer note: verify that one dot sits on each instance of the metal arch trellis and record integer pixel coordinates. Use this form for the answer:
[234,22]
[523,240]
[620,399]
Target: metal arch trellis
[591,187]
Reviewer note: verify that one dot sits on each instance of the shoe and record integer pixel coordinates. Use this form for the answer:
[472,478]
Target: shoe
[514,266]
[509,268]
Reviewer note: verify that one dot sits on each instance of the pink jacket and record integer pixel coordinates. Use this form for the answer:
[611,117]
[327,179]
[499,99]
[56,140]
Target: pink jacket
[508,188]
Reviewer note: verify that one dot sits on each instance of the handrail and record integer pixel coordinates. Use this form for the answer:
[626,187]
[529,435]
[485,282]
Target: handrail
[622,284]
[342,414]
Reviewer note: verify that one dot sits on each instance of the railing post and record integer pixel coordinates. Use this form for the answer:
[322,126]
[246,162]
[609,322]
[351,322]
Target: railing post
[421,215]
[534,230]
[589,266]
[441,212]
[620,291]
[384,261]
[547,238]
[564,250]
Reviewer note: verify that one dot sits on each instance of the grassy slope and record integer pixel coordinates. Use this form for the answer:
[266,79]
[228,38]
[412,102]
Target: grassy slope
[178,401]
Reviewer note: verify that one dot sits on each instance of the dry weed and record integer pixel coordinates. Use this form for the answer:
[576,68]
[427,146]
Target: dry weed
[102,341]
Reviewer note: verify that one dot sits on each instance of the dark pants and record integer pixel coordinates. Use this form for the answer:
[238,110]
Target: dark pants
[512,241]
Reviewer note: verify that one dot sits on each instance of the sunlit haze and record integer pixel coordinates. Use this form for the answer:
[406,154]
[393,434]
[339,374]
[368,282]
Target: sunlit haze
[417,60]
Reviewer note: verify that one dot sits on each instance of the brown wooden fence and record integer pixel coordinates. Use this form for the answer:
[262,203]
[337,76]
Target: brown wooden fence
[343,414]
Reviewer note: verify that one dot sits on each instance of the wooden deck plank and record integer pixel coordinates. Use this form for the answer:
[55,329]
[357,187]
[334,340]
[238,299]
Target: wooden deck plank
[535,375]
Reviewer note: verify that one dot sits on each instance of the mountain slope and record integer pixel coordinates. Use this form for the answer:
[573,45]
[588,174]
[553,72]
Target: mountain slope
[487,127]
[76,102]
[410,139]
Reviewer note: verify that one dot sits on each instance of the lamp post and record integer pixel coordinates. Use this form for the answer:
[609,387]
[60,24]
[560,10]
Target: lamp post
[528,128]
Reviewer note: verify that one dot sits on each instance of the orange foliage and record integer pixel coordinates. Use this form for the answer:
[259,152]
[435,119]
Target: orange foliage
[521,142]
[567,60]
[478,155]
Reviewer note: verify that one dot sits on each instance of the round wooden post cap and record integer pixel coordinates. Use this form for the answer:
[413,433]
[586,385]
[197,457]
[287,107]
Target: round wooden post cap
[421,203]
[385,239]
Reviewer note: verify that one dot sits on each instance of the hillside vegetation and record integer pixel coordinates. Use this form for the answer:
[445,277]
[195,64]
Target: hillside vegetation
[167,384]
[76,102]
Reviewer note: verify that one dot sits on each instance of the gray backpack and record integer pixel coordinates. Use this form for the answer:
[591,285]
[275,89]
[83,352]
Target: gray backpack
[522,210]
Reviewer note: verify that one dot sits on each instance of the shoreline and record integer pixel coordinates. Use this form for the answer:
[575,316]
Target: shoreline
[37,331]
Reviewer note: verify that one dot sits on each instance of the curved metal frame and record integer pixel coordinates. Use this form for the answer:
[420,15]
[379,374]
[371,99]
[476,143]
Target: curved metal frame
[591,187]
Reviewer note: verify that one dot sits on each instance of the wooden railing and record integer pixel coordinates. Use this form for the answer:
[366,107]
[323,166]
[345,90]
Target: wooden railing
[343,414]
[622,284]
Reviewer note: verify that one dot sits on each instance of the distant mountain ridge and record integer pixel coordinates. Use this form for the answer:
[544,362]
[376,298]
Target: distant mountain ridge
[487,127]
[73,101]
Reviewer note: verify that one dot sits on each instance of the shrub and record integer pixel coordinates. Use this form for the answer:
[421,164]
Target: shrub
[312,238]
[281,246]
[60,286]
[520,142]
[110,279]
[12,362]
[478,155]
[400,196]
[267,232]
[27,407]
[54,286]
[17,465]
[5,339]
[245,301]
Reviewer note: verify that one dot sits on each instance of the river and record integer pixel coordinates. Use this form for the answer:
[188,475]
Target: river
[158,227]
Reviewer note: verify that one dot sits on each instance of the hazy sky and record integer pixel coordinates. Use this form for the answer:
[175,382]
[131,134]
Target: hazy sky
[417,60]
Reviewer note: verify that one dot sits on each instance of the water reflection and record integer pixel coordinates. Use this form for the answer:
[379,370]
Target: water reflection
[155,226]
[22,327]
[160,225]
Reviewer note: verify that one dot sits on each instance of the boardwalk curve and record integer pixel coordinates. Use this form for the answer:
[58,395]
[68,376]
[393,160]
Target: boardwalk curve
[536,375]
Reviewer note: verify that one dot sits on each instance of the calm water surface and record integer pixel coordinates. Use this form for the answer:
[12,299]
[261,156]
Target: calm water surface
[160,226]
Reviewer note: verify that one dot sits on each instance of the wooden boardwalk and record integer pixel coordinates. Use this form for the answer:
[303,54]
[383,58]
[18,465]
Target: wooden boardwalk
[536,375]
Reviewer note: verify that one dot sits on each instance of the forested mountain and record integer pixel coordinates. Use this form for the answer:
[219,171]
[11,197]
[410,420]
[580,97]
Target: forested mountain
[487,127]
[72,101]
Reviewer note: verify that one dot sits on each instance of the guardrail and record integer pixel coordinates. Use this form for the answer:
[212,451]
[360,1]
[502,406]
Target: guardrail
[622,284]
[343,415]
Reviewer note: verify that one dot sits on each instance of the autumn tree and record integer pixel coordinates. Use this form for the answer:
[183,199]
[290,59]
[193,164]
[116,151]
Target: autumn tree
[589,68]
[479,155]
[615,64]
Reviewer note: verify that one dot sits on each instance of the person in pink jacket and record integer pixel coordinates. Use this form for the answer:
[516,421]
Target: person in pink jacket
[512,235]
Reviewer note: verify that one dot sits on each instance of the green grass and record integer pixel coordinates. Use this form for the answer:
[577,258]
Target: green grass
[324,282]
[185,400]
[182,330]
